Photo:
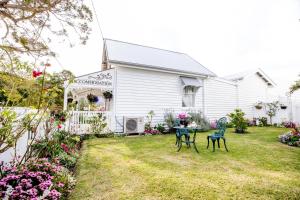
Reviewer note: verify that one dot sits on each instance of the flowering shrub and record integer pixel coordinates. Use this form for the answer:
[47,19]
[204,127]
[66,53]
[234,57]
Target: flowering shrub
[291,138]
[151,132]
[37,179]
[251,122]
[289,124]
[213,124]
[61,145]
[183,116]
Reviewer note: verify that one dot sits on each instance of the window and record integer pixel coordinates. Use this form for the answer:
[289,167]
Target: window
[189,95]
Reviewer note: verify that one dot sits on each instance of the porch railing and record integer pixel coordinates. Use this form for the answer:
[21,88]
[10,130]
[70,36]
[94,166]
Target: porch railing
[80,121]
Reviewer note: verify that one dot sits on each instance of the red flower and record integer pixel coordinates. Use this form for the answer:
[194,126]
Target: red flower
[62,119]
[36,73]
[64,147]
[59,126]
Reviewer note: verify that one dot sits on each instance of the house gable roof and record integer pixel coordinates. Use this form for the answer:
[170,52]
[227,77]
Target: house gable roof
[152,58]
[258,71]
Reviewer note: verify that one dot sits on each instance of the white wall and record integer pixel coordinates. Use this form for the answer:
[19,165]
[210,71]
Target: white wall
[296,106]
[251,90]
[220,98]
[139,91]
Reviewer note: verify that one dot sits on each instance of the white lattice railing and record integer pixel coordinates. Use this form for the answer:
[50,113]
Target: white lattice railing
[79,121]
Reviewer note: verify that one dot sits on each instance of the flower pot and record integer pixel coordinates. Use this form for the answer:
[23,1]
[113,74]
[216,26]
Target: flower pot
[184,123]
[283,107]
[258,107]
[70,100]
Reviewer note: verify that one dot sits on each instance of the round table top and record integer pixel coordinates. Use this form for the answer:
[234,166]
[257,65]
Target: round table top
[190,128]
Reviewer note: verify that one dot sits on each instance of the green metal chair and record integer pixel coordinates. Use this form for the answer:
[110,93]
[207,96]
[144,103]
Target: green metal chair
[219,134]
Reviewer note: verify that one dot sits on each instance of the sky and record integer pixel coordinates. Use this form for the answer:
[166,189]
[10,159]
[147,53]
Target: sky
[226,36]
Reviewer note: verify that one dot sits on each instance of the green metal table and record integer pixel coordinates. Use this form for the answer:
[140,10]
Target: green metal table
[185,131]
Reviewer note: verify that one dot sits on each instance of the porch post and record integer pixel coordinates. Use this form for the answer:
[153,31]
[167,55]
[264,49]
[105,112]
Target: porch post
[65,95]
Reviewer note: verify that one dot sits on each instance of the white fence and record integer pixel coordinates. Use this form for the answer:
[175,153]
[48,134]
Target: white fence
[24,140]
[79,121]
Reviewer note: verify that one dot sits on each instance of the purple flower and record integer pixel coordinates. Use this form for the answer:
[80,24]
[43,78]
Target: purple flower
[32,192]
[32,174]
[54,194]
[2,183]
[45,185]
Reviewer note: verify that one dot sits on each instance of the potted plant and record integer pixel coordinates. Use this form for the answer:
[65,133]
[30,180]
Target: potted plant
[92,98]
[70,97]
[283,106]
[184,119]
[107,95]
[258,105]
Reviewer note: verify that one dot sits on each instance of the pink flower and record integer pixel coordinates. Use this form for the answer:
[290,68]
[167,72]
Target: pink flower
[60,184]
[182,116]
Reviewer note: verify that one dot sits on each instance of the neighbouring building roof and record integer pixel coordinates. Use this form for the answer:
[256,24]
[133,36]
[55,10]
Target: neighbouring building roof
[153,58]
[259,72]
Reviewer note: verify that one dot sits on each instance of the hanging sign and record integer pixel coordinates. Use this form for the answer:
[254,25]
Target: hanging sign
[103,79]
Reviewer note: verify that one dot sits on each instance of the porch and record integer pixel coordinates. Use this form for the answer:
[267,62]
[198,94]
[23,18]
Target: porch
[87,97]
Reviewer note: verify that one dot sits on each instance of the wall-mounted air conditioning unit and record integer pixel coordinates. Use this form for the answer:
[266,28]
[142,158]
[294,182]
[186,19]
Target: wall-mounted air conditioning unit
[134,125]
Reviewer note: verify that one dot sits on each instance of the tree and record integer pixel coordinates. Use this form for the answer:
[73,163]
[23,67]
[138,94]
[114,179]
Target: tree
[24,23]
[295,86]
[271,109]
[55,85]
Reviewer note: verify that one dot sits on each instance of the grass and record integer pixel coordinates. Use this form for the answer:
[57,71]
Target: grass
[257,166]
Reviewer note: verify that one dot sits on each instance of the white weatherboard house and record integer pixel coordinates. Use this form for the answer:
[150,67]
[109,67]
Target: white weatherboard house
[143,78]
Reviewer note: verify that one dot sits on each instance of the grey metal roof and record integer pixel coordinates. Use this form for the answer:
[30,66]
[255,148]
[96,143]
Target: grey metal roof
[258,71]
[153,58]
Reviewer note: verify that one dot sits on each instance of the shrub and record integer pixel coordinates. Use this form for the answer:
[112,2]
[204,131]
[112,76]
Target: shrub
[148,124]
[61,145]
[98,124]
[160,127]
[229,125]
[263,121]
[169,120]
[238,121]
[67,160]
[200,120]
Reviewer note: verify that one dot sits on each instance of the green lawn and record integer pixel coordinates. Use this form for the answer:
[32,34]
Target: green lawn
[257,166]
